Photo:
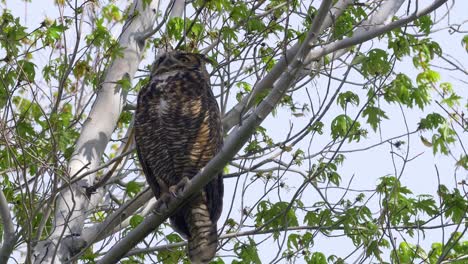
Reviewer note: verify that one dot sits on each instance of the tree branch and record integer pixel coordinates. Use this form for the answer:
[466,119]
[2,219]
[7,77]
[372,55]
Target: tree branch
[101,230]
[370,33]
[8,230]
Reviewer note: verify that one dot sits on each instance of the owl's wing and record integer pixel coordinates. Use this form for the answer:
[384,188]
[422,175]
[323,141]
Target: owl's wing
[214,194]
[150,177]
[215,189]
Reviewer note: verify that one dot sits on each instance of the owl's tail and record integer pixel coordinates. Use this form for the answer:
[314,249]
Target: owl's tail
[203,239]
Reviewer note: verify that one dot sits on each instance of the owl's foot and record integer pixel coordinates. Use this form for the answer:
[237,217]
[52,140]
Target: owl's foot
[162,203]
[179,188]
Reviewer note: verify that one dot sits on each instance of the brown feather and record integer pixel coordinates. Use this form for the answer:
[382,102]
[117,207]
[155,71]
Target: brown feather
[177,132]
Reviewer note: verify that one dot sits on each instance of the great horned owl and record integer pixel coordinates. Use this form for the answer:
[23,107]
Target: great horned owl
[177,131]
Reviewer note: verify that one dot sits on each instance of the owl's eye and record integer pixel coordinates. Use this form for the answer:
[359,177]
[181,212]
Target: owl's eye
[184,59]
[159,60]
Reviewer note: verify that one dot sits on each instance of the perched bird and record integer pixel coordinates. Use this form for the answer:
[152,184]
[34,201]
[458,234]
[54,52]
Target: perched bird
[177,131]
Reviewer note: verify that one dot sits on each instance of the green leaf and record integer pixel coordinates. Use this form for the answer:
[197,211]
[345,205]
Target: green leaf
[426,204]
[376,63]
[319,218]
[135,220]
[452,100]
[343,126]
[443,138]
[317,258]
[436,251]
[112,13]
[125,83]
[316,127]
[340,125]
[255,25]
[174,238]
[454,203]
[26,70]
[465,42]
[247,252]
[100,35]
[55,31]
[346,22]
[217,260]
[275,215]
[421,96]
[399,90]
[239,11]
[175,28]
[463,162]
[132,188]
[424,23]
[401,45]
[374,249]
[3,95]
[374,116]
[431,121]
[293,241]
[428,76]
[347,97]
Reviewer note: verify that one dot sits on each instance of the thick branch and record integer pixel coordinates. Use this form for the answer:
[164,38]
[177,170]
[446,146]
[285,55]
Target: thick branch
[8,230]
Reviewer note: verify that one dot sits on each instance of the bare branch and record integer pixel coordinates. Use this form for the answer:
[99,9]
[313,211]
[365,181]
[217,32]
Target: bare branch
[8,230]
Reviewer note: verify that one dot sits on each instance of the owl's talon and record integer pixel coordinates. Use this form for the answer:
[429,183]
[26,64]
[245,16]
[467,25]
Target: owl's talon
[157,209]
[182,185]
[177,190]
[162,204]
[173,191]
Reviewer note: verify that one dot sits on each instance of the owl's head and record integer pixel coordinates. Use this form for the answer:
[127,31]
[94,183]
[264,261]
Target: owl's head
[179,60]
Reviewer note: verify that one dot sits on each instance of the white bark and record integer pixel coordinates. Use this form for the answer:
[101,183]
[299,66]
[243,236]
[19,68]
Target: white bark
[9,236]
[178,8]
[72,203]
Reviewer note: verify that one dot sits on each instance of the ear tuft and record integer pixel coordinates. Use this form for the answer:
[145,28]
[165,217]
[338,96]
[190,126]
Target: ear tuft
[207,59]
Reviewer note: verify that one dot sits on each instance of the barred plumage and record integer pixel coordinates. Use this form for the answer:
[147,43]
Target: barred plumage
[177,131]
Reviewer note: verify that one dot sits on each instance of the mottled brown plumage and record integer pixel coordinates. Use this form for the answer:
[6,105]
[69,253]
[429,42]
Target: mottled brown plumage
[177,131]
